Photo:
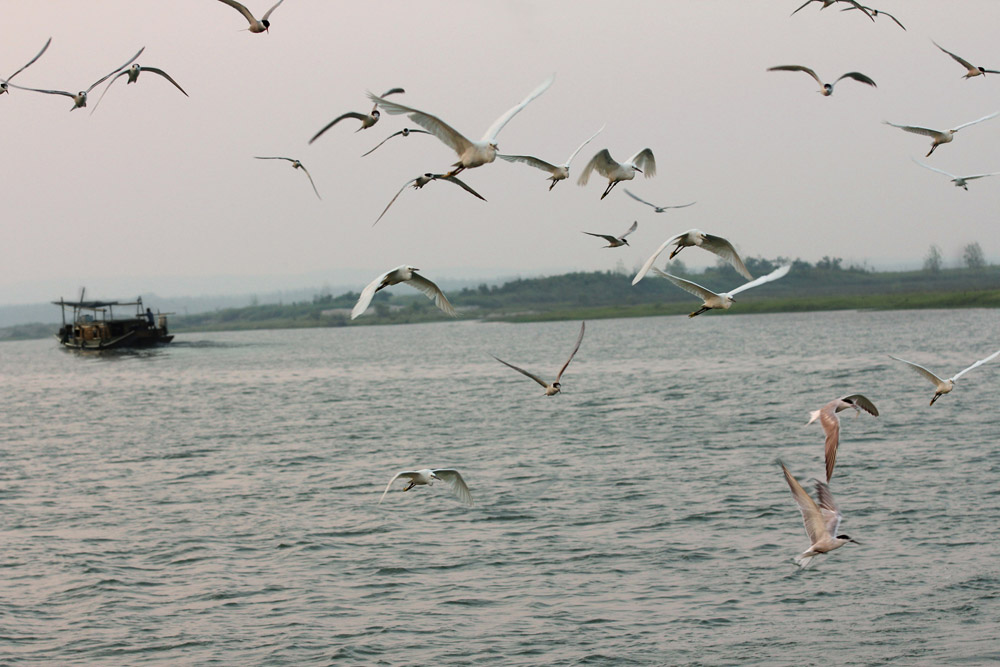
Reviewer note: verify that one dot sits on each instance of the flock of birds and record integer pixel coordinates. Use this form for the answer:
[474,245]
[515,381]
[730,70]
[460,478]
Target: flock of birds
[822,519]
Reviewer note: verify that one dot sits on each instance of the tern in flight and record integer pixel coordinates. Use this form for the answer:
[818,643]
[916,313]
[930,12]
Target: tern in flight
[470,153]
[972,69]
[828,419]
[827,3]
[656,209]
[297,165]
[875,13]
[402,274]
[3,84]
[697,238]
[826,89]
[554,387]
[133,75]
[939,136]
[367,120]
[642,162]
[822,521]
[451,477]
[725,299]
[616,241]
[255,26]
[421,181]
[80,98]
[942,387]
[959,181]
[559,172]
[405,132]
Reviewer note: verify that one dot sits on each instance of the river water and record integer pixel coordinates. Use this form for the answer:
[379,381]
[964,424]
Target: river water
[215,501]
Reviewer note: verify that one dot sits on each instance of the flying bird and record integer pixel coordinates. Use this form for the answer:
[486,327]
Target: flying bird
[554,387]
[826,89]
[959,181]
[367,120]
[822,521]
[402,274]
[875,13]
[656,209]
[297,165]
[406,131]
[827,3]
[470,153]
[972,69]
[421,181]
[725,299]
[3,84]
[255,26]
[942,387]
[616,241]
[80,98]
[559,172]
[427,477]
[939,136]
[133,76]
[828,419]
[698,238]
[642,162]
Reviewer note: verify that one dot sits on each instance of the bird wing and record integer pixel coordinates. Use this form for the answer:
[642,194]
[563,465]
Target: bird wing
[531,161]
[693,288]
[367,294]
[862,402]
[935,380]
[391,202]
[796,68]
[973,122]
[804,4]
[652,258]
[774,275]
[410,474]
[573,353]
[975,176]
[828,508]
[392,91]
[937,134]
[641,200]
[523,372]
[433,292]
[242,9]
[602,162]
[157,70]
[961,61]
[494,130]
[29,63]
[311,182]
[395,134]
[115,71]
[830,422]
[580,147]
[267,14]
[105,91]
[454,480]
[645,161]
[40,90]
[815,525]
[726,251]
[940,171]
[440,129]
[897,21]
[857,76]
[606,237]
[635,226]
[460,183]
[978,363]
[349,114]
[991,71]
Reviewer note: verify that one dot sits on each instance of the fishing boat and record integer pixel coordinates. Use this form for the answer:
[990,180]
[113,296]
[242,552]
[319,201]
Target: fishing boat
[93,325]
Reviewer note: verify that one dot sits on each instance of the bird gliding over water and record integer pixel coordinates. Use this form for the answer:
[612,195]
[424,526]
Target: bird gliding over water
[642,162]
[939,136]
[554,387]
[942,387]
[959,181]
[367,120]
[402,274]
[616,241]
[263,24]
[297,165]
[559,172]
[405,132]
[828,419]
[821,521]
[725,299]
[698,238]
[421,181]
[133,76]
[826,89]
[451,477]
[80,98]
[972,70]
[656,209]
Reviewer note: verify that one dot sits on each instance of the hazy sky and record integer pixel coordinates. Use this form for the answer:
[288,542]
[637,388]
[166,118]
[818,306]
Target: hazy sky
[157,191]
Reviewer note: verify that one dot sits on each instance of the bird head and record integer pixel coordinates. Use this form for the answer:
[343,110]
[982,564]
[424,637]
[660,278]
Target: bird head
[827,89]
[375,114]
[267,25]
[3,87]
[493,145]
[847,539]
[637,169]
[435,477]
[405,132]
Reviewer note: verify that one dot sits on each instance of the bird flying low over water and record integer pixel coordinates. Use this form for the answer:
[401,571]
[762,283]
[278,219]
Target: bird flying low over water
[959,181]
[470,153]
[827,3]
[972,70]
[421,181]
[874,13]
[826,89]
[559,172]
[940,136]
[263,25]
[656,209]
[133,76]
[406,131]
[427,477]
[80,98]
[297,165]
[942,387]
[3,84]
[828,419]
[554,387]
[821,521]
[616,241]
[402,274]
[367,120]
[642,162]
[697,238]
[725,299]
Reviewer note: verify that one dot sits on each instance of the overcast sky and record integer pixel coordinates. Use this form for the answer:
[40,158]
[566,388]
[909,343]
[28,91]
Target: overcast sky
[157,192]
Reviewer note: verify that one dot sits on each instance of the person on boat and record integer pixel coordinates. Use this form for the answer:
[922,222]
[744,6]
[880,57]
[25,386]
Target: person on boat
[150,319]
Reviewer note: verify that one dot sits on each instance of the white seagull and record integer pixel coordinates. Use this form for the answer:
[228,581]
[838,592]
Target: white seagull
[3,84]
[822,521]
[133,76]
[421,181]
[939,136]
[470,153]
[972,69]
[559,172]
[367,120]
[959,181]
[554,387]
[828,419]
[656,209]
[642,162]
[402,274]
[80,98]
[406,131]
[698,238]
[297,165]
[616,241]
[942,387]
[255,26]
[725,299]
[826,89]
[451,477]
